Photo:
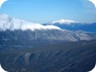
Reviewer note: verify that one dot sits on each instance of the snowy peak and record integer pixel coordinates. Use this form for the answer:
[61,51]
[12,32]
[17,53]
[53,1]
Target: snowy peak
[7,22]
[63,21]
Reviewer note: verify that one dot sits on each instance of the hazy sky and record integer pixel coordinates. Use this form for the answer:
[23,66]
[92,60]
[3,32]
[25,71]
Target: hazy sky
[42,11]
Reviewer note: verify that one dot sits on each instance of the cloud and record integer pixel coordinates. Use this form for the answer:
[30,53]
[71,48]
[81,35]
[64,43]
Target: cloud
[32,26]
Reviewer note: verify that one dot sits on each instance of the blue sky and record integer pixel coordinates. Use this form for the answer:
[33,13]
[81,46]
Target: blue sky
[42,11]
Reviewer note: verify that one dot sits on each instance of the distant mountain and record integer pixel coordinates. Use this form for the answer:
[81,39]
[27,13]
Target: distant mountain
[63,21]
[74,25]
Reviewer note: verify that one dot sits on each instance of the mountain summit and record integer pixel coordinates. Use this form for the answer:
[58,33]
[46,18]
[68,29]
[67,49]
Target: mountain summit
[7,22]
[64,21]
[73,25]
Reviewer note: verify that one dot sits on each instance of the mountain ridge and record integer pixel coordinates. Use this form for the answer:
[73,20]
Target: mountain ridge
[19,30]
[7,22]
[89,27]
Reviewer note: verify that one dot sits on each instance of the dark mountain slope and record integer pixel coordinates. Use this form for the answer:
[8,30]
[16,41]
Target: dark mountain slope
[64,57]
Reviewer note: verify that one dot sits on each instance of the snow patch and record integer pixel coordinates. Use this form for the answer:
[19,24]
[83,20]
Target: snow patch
[63,21]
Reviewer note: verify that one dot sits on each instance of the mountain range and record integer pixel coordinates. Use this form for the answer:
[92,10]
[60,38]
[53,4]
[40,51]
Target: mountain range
[18,30]
[59,46]
[74,25]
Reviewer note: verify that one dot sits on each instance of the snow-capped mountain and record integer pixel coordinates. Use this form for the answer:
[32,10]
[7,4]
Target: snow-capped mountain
[27,33]
[73,25]
[7,22]
[63,21]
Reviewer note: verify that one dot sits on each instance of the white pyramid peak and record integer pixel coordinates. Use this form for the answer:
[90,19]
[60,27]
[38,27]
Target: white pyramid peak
[62,21]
